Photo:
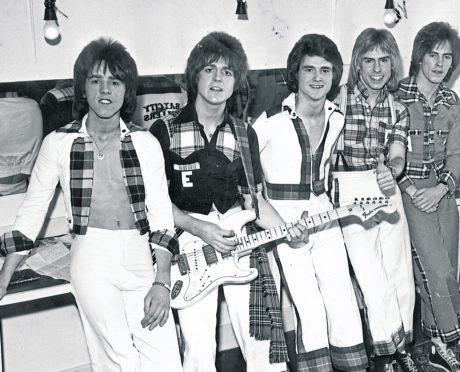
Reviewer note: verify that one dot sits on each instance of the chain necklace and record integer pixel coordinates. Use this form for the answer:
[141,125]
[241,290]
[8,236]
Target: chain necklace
[100,151]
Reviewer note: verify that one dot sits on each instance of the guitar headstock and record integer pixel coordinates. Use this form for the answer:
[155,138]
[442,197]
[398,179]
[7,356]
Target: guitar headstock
[367,207]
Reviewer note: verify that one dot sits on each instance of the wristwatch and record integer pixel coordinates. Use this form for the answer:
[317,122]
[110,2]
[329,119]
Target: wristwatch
[447,186]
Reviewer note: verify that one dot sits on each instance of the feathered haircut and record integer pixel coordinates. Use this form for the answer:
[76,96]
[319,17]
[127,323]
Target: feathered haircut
[210,49]
[371,39]
[112,56]
[430,36]
[314,45]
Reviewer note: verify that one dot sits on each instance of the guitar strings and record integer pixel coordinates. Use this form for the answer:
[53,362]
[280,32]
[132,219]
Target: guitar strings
[241,241]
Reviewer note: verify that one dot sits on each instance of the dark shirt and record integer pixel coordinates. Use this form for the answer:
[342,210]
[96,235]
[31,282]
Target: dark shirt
[201,172]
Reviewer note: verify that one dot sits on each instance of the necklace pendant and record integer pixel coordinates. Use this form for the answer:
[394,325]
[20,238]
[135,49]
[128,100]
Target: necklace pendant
[100,155]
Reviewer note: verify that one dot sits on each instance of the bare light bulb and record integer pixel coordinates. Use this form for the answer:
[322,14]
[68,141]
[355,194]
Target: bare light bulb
[51,30]
[390,18]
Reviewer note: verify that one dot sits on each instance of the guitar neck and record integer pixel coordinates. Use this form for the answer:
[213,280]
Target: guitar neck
[248,242]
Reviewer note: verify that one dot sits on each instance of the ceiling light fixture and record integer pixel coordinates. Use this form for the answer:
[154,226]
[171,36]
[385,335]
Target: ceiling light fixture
[51,25]
[241,9]
[392,14]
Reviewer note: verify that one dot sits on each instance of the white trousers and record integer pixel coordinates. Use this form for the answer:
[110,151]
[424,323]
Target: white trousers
[111,273]
[380,253]
[318,278]
[198,325]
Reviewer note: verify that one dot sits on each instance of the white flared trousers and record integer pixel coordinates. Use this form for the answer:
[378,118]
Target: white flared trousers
[111,273]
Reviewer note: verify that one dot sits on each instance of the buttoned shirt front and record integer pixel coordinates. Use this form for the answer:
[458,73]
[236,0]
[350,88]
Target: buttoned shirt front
[434,134]
[369,131]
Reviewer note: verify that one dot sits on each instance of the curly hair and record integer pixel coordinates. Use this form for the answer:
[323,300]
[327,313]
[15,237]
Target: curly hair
[110,55]
[429,36]
[371,39]
[210,49]
[314,45]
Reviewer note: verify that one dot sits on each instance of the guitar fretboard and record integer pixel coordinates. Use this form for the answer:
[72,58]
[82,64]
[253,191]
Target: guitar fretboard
[251,241]
[248,242]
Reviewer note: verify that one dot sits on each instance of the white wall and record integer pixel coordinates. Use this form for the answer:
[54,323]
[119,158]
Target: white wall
[355,15]
[161,33]
[158,33]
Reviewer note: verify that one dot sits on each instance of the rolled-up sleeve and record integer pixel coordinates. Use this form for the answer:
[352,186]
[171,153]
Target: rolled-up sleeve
[401,127]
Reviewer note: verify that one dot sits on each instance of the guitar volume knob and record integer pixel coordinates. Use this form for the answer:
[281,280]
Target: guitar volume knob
[176,289]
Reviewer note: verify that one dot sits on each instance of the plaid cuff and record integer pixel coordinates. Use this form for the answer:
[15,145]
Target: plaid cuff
[15,241]
[448,178]
[446,336]
[314,361]
[397,138]
[388,347]
[245,189]
[349,358]
[405,182]
[165,239]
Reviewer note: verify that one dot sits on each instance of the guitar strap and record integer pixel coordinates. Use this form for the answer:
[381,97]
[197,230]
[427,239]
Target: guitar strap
[243,144]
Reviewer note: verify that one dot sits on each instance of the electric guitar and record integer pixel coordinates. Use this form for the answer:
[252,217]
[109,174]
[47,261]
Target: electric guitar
[200,268]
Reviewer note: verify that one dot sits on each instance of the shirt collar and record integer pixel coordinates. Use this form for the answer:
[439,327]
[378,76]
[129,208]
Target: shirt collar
[289,106]
[443,95]
[188,114]
[124,129]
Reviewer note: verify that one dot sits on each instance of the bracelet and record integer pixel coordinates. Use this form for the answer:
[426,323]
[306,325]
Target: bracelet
[164,285]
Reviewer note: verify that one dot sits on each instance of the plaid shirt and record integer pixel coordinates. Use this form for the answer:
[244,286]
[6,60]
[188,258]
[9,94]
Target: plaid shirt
[80,187]
[369,131]
[434,134]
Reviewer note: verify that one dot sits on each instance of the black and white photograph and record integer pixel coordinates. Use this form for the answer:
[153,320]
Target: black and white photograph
[229,186]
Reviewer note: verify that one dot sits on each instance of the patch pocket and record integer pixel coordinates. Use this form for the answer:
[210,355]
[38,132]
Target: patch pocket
[415,137]
[442,135]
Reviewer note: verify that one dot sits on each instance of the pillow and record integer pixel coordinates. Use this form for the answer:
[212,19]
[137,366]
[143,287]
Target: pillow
[21,134]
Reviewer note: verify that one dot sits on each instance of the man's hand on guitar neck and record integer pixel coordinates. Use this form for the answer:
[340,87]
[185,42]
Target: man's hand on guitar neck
[298,235]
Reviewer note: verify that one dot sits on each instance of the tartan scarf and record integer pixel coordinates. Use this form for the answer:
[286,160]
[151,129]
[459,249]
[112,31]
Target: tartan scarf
[265,321]
[81,180]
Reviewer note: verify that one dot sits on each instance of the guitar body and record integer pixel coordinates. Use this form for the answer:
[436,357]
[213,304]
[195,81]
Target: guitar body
[199,268]
[207,268]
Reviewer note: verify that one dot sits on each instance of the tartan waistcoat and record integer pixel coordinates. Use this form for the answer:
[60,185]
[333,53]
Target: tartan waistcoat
[82,173]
